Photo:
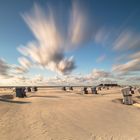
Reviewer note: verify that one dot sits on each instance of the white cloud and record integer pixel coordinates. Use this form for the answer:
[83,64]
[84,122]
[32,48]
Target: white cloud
[52,42]
[99,74]
[48,50]
[131,66]
[93,78]
[18,70]
[24,62]
[134,79]
[77,25]
[8,71]
[135,55]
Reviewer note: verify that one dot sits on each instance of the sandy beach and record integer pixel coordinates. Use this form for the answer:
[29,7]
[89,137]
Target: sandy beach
[53,114]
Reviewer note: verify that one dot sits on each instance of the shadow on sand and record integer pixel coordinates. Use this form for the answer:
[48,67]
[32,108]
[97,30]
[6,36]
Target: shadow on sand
[43,96]
[108,93]
[12,101]
[120,101]
[138,97]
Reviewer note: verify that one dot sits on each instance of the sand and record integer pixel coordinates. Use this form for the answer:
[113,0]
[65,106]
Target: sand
[53,114]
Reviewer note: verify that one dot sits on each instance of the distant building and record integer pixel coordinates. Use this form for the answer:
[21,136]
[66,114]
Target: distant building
[109,83]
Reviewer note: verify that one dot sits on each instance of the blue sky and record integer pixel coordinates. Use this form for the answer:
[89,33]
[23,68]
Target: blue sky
[93,40]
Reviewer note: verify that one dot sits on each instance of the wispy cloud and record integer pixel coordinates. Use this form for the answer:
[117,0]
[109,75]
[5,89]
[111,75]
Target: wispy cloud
[10,71]
[99,73]
[127,39]
[101,58]
[51,44]
[48,50]
[103,36]
[135,55]
[77,25]
[4,68]
[122,57]
[15,70]
[24,62]
[128,67]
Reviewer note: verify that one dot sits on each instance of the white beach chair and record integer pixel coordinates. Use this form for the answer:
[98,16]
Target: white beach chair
[127,96]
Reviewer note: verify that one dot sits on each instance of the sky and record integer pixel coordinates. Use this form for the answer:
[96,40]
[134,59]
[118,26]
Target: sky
[71,42]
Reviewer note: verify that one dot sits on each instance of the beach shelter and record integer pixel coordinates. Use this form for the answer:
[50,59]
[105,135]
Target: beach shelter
[94,90]
[20,92]
[34,89]
[70,88]
[64,88]
[84,90]
[99,88]
[127,96]
[28,89]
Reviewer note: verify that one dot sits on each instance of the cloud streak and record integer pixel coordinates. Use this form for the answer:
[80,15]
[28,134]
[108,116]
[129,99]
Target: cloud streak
[48,51]
[51,44]
[4,68]
[80,27]
[101,58]
[128,67]
[126,40]
[24,62]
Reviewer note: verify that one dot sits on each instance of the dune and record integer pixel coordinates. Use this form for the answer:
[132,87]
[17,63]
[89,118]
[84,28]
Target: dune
[53,114]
